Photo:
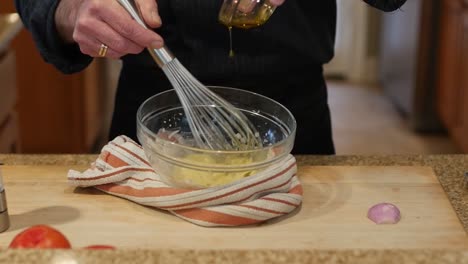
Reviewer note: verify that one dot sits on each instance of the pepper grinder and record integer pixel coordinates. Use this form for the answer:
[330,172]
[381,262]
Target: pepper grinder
[4,218]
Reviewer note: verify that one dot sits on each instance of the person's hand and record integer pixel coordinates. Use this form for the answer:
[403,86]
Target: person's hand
[276,2]
[104,28]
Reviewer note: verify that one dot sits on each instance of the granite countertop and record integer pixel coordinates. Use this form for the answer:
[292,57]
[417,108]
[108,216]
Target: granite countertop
[450,170]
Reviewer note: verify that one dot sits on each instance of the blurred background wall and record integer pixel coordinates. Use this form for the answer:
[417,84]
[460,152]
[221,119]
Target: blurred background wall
[414,58]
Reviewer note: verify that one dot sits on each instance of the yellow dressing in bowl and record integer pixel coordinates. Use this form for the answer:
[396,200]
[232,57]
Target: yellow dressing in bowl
[212,178]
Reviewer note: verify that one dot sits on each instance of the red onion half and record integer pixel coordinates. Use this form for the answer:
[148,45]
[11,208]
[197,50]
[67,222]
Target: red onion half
[384,213]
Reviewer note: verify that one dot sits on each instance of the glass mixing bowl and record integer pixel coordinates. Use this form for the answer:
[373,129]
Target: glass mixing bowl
[165,136]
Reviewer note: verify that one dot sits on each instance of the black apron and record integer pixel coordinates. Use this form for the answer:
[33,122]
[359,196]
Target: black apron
[304,94]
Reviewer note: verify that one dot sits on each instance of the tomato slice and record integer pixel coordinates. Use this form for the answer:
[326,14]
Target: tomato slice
[40,236]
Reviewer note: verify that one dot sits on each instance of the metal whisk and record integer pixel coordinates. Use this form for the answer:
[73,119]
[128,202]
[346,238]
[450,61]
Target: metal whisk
[214,122]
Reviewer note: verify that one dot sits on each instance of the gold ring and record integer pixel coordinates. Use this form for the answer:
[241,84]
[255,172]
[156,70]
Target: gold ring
[103,50]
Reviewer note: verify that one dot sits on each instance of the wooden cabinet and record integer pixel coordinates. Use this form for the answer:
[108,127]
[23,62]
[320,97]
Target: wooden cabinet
[453,70]
[462,135]
[57,113]
[7,85]
[9,141]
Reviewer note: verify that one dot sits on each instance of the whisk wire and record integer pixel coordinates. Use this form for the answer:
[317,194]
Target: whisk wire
[227,121]
[189,108]
[198,115]
[220,114]
[215,123]
[237,123]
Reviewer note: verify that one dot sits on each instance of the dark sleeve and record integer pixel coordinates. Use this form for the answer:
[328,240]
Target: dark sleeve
[38,16]
[386,5]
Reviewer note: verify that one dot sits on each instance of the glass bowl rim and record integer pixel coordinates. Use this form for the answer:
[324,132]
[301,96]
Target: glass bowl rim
[175,144]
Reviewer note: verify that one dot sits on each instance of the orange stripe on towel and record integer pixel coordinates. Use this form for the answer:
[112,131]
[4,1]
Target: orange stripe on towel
[261,209]
[215,217]
[278,201]
[133,154]
[115,161]
[264,190]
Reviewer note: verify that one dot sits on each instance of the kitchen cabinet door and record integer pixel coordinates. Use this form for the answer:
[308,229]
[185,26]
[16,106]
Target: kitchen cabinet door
[57,113]
[463,133]
[449,63]
[7,85]
[9,142]
[453,71]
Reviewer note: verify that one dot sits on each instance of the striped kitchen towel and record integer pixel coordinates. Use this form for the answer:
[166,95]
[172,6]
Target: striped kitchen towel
[123,170]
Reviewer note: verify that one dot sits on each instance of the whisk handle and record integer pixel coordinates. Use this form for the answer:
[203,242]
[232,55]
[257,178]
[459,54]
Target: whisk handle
[163,55]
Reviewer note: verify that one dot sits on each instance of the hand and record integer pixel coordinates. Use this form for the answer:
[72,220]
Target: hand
[276,2]
[91,23]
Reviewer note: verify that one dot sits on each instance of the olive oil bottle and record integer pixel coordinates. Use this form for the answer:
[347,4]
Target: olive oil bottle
[244,14]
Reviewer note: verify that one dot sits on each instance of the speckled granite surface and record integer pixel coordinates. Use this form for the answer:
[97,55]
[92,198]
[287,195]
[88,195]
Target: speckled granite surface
[449,169]
[234,257]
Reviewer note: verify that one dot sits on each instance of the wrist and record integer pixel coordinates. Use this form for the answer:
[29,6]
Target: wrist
[65,16]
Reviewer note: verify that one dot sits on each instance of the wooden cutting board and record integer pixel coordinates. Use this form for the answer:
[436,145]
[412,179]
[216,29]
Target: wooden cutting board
[333,215]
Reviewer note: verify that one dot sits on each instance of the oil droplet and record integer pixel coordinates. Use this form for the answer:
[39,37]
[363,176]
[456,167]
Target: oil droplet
[231,51]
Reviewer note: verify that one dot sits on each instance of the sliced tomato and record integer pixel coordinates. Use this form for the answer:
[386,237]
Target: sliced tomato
[40,236]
